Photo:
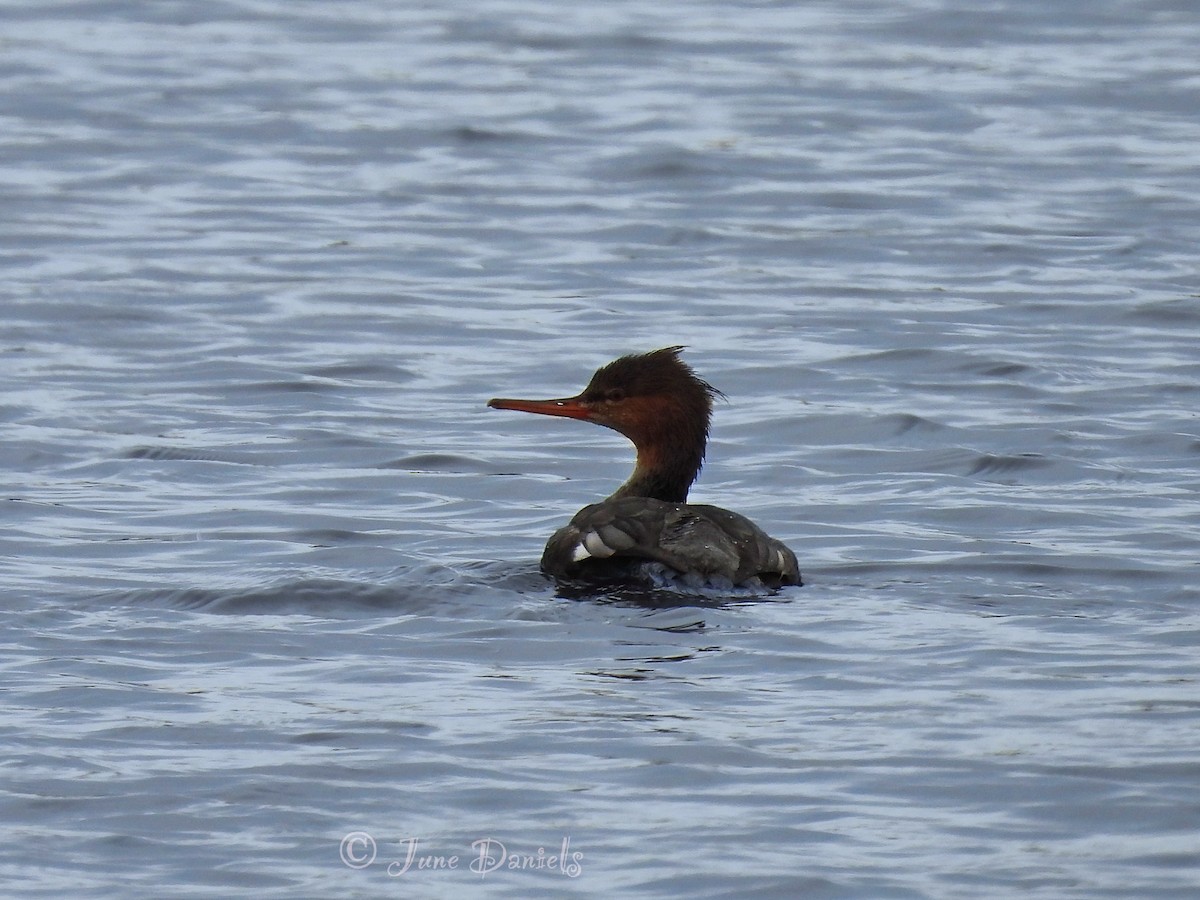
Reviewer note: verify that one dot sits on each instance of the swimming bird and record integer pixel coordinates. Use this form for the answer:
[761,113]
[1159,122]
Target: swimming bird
[647,526]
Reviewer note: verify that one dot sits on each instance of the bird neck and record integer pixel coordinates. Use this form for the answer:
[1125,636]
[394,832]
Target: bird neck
[664,471]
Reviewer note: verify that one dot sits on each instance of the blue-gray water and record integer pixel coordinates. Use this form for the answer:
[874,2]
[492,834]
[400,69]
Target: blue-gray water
[270,566]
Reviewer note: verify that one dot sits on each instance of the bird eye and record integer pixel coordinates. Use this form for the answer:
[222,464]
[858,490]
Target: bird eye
[613,395]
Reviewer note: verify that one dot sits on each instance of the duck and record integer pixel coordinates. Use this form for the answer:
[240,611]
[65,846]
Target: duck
[646,531]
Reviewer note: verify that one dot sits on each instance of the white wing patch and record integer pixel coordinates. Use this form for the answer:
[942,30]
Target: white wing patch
[596,547]
[601,543]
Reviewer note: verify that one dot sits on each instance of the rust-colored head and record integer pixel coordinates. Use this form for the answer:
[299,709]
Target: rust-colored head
[655,400]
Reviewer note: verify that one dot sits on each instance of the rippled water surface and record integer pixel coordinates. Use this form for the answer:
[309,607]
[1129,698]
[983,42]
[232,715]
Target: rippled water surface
[272,613]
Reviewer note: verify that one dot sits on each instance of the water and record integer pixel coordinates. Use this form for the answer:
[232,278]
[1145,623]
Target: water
[269,564]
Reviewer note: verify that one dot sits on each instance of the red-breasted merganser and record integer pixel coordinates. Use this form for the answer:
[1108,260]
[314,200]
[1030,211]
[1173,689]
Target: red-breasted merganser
[659,403]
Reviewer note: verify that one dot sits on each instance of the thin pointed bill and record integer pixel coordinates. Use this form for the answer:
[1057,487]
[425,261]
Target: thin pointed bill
[570,408]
